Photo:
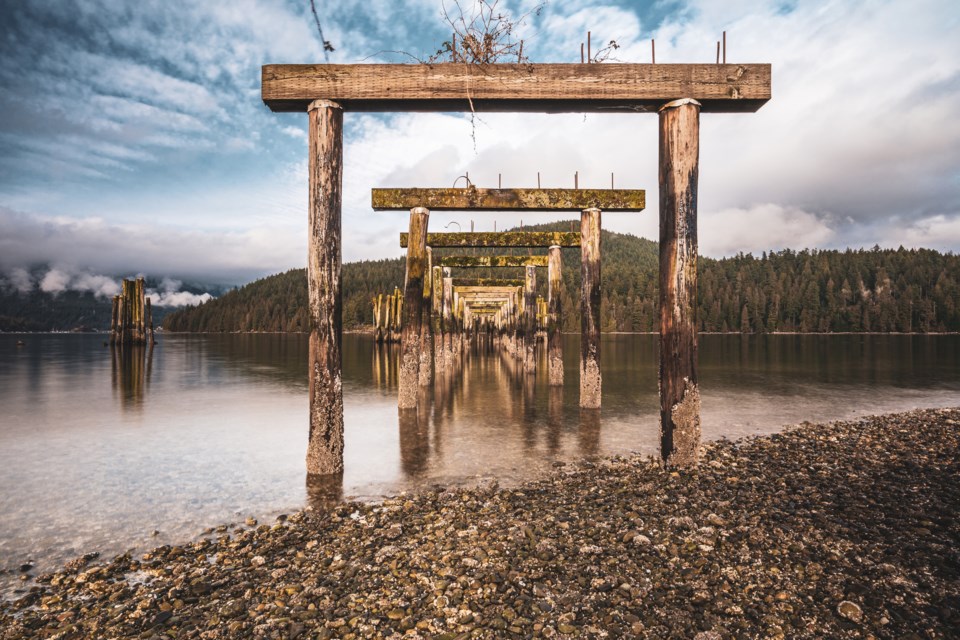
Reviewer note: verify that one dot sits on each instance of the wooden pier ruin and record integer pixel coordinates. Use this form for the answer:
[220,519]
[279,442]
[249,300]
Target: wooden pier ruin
[387,311]
[679,93]
[590,203]
[131,316]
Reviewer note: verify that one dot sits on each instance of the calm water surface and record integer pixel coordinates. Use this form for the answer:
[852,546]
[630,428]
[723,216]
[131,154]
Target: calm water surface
[98,451]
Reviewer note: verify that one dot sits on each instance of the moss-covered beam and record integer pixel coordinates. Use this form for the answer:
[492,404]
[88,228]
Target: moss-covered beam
[516,239]
[486,282]
[477,199]
[485,262]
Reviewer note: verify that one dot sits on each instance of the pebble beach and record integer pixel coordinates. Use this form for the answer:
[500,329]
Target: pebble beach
[839,530]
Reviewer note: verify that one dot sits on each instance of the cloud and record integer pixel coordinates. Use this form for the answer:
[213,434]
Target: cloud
[96,246]
[935,232]
[55,281]
[178,299]
[60,279]
[100,286]
[295,132]
[169,294]
[154,149]
[20,280]
[761,228]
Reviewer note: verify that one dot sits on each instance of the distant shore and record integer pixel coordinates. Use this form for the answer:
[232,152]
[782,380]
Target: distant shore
[369,330]
[845,529]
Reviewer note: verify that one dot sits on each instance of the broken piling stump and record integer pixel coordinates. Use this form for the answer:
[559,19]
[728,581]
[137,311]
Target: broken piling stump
[131,317]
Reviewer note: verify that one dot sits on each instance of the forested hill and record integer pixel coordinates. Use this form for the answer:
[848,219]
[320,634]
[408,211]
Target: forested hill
[811,291]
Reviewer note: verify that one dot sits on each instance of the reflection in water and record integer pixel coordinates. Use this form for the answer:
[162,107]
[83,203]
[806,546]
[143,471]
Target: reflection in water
[414,442]
[554,418]
[131,371]
[386,364]
[324,492]
[225,429]
[589,433]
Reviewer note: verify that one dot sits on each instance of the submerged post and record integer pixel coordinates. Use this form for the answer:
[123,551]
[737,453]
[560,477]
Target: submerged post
[679,391]
[325,445]
[530,320]
[412,323]
[590,380]
[554,318]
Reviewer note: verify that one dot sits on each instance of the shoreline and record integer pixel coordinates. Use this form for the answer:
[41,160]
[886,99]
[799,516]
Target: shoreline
[842,529]
[370,331]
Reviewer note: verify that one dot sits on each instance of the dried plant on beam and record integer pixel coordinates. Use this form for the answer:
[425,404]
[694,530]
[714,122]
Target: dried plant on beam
[484,34]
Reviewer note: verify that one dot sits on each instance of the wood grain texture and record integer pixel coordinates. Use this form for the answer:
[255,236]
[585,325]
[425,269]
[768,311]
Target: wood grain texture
[325,446]
[412,327]
[679,391]
[551,88]
[516,239]
[530,321]
[479,199]
[426,326]
[484,262]
[487,282]
[590,378]
[555,318]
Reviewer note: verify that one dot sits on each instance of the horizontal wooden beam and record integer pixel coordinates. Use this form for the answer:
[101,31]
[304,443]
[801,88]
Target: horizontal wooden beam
[516,239]
[551,88]
[482,262]
[492,291]
[486,282]
[485,304]
[479,199]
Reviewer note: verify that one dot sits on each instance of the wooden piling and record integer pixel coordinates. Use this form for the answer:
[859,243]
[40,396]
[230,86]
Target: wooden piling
[530,321]
[436,318]
[555,317]
[412,322]
[590,379]
[426,332]
[679,391]
[131,317]
[325,446]
[447,321]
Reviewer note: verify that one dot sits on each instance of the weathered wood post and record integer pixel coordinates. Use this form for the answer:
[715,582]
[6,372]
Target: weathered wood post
[448,328]
[518,351]
[530,320]
[436,318]
[679,391]
[115,319]
[148,322]
[426,333]
[459,309]
[411,325]
[325,445]
[590,379]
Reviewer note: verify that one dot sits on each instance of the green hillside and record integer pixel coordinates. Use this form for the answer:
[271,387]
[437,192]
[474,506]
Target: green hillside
[812,291]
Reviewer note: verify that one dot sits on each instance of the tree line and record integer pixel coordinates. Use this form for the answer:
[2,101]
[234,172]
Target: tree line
[822,291]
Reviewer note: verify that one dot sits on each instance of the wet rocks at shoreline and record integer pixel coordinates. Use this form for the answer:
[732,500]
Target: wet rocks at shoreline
[848,529]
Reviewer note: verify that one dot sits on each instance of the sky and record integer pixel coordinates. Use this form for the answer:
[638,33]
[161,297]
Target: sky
[133,138]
